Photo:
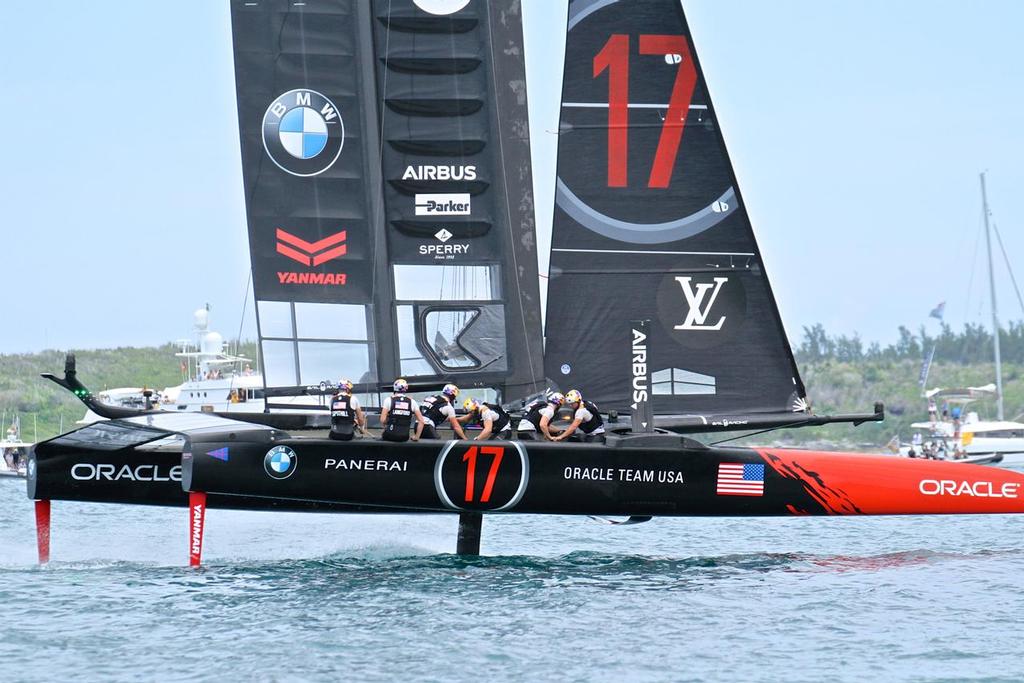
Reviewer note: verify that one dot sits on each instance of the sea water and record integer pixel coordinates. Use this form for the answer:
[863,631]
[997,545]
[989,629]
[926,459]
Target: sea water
[292,597]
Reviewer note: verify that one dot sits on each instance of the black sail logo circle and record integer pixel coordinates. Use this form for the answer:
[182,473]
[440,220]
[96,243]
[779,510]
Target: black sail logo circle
[303,132]
[640,156]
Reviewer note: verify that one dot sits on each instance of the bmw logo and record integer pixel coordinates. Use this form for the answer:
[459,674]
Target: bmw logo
[303,132]
[280,462]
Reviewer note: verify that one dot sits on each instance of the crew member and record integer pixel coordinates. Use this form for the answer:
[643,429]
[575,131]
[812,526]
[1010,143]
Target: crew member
[586,419]
[438,409]
[396,415]
[495,421]
[535,424]
[346,414]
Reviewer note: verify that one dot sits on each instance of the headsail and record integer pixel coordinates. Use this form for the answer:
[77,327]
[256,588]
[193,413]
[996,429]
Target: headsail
[385,152]
[650,224]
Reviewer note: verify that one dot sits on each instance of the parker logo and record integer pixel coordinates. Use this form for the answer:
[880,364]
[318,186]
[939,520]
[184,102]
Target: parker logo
[443,205]
[311,253]
[439,173]
[700,301]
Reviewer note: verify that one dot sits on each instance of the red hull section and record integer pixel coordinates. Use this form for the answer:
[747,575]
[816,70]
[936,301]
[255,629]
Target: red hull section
[858,484]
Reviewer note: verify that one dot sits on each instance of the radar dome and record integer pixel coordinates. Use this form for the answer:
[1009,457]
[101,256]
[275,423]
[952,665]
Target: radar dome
[202,318]
[213,343]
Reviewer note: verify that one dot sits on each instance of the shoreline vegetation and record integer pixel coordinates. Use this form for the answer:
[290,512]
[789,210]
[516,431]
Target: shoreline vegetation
[842,375]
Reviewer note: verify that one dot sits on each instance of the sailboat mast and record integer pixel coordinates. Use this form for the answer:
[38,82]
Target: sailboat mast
[992,293]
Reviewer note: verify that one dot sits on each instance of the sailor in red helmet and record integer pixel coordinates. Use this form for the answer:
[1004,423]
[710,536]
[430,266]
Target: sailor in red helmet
[397,414]
[586,419]
[495,421]
[346,414]
[438,410]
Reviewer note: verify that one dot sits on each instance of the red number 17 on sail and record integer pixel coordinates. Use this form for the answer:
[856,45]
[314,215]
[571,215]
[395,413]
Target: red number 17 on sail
[497,452]
[614,58]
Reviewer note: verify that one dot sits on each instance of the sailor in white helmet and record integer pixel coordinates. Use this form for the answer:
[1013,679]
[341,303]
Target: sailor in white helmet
[437,410]
[495,421]
[397,413]
[586,419]
[537,417]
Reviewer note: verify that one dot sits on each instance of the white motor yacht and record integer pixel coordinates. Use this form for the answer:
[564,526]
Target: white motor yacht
[957,427]
[218,382]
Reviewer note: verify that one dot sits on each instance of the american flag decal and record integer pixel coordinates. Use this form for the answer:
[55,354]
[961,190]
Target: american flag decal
[738,479]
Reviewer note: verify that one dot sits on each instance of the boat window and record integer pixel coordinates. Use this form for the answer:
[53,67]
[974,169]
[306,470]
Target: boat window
[276,319]
[413,364]
[447,283]
[327,341]
[678,382]
[327,361]
[279,363]
[443,329]
[330,321]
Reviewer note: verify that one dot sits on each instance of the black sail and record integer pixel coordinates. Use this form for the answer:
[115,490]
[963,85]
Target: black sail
[308,141]
[386,161]
[650,224]
[458,194]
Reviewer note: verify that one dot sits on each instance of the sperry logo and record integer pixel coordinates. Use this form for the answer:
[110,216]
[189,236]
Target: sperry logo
[443,204]
[700,300]
[443,235]
[311,253]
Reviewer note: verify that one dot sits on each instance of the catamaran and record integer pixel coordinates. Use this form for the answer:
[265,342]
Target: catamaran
[388,185]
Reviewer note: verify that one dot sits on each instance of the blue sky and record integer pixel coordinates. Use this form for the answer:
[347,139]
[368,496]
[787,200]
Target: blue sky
[857,130]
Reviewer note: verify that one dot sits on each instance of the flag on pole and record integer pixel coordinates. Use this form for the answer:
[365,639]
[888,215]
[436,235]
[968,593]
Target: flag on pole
[938,311]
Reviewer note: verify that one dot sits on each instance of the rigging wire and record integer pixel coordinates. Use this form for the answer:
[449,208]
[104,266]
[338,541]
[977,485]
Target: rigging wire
[970,283]
[1009,268]
[758,433]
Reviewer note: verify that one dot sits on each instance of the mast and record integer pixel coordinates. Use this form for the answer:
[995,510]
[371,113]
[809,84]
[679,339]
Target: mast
[995,313]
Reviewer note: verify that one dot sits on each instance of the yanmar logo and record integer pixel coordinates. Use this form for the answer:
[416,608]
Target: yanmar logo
[311,254]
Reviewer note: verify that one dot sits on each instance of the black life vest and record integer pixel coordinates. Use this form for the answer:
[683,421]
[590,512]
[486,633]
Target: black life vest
[533,415]
[433,407]
[594,422]
[400,414]
[343,416]
[503,417]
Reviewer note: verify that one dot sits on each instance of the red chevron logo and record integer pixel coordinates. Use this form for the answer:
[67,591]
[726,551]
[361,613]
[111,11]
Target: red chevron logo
[311,253]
